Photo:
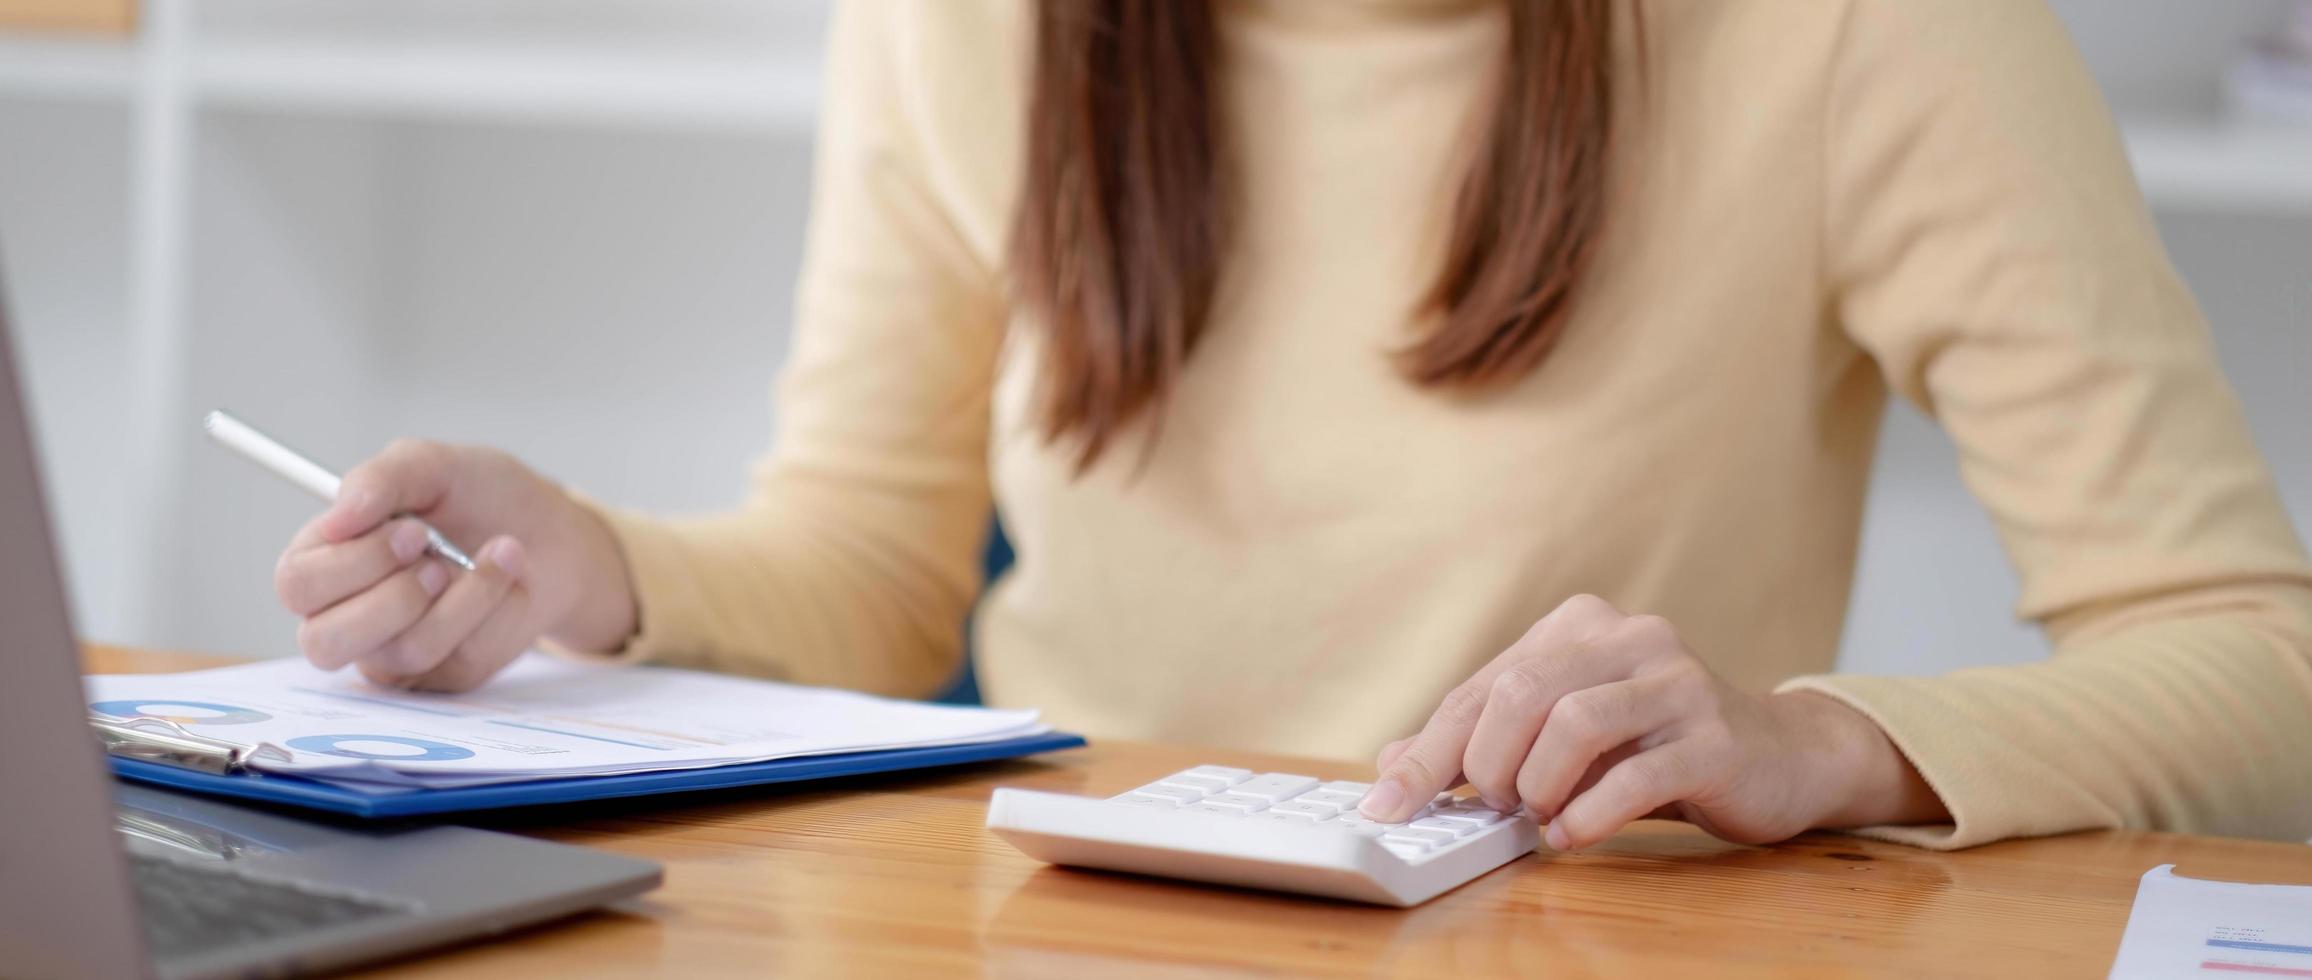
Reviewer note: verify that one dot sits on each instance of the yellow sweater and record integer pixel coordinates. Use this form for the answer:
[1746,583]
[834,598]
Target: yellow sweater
[1814,203]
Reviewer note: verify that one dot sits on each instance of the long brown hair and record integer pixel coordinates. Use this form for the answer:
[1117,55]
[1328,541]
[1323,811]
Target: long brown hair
[1125,204]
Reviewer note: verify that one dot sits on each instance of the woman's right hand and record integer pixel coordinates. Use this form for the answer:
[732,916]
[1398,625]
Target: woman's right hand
[371,596]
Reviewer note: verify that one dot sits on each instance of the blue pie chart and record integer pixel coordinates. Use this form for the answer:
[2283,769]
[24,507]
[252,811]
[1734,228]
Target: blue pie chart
[208,712]
[430,751]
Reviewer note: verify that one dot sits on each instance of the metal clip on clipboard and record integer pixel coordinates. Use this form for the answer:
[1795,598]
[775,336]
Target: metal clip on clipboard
[166,742]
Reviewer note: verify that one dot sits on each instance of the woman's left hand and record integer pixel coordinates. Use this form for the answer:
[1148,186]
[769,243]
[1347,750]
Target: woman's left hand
[1596,718]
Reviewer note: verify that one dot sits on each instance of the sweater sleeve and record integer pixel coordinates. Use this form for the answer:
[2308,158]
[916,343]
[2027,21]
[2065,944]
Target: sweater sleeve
[854,560]
[1986,244]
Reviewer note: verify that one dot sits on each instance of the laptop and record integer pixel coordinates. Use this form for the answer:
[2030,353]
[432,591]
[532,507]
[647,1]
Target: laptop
[105,880]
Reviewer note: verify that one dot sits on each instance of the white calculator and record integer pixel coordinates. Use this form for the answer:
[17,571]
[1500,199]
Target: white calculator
[1265,830]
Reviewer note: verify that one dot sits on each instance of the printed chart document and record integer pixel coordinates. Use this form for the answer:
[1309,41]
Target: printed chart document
[542,718]
[2192,927]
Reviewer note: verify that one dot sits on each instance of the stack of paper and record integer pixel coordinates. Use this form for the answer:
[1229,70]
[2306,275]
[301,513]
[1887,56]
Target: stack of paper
[543,718]
[2195,927]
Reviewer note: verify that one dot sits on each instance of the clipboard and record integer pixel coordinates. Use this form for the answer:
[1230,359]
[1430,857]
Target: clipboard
[164,754]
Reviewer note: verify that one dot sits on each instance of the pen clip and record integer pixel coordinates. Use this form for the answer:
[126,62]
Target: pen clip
[439,544]
[166,742]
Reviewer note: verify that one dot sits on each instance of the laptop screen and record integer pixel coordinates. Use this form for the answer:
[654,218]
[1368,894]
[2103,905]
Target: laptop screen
[65,905]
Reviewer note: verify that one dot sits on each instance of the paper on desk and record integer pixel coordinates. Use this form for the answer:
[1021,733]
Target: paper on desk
[2192,927]
[542,718]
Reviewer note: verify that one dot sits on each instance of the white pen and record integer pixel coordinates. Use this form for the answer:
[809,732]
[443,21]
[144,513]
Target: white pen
[285,462]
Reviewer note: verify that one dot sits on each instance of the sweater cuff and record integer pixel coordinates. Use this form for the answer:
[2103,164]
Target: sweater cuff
[1970,768]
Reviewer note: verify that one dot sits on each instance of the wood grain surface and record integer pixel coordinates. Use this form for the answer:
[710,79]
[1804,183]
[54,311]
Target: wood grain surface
[895,876]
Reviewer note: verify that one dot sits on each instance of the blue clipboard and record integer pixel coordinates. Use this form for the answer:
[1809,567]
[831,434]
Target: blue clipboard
[384,803]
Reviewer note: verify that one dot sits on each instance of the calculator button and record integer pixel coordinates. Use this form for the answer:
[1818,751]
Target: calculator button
[1335,797]
[1353,818]
[1233,811]
[1222,773]
[1344,786]
[1301,804]
[1247,804]
[1275,786]
[1201,784]
[1179,793]
[1281,815]
[1421,834]
[1474,816]
[1145,799]
[1453,827]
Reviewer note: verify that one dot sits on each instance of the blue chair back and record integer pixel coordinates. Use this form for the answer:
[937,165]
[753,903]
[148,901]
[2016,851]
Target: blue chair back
[964,689]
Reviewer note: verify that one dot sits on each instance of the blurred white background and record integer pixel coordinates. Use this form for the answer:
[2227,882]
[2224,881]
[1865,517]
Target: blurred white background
[520,222]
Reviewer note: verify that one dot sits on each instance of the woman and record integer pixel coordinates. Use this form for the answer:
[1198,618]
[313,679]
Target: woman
[1326,358]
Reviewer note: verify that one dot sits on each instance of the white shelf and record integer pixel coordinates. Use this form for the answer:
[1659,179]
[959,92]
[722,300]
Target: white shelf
[2184,163]
[66,66]
[693,85]
[2222,164]
[688,86]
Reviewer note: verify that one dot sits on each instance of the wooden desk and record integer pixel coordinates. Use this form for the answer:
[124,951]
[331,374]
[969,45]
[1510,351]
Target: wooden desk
[894,875]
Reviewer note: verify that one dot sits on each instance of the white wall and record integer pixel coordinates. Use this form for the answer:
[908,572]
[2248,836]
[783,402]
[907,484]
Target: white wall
[546,290]
[361,273]
[607,307]
[63,233]
[1933,592]
[549,289]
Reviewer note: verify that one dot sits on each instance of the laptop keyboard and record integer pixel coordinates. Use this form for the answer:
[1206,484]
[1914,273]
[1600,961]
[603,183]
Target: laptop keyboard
[193,908]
